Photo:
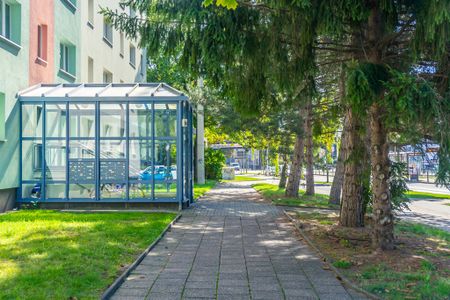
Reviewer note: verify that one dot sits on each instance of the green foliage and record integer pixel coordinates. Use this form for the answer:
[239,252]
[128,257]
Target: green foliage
[398,187]
[230,4]
[342,264]
[214,162]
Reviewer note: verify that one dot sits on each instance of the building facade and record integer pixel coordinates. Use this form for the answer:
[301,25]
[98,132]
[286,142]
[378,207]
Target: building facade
[55,41]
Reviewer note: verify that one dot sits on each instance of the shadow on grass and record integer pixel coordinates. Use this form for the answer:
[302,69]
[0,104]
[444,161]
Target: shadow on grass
[277,196]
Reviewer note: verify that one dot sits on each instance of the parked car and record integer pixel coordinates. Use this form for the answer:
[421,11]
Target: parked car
[236,166]
[161,173]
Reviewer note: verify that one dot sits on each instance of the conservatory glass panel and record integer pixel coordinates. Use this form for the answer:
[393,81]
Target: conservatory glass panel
[55,126]
[31,190]
[32,120]
[82,120]
[112,149]
[165,173]
[112,120]
[31,160]
[82,149]
[113,191]
[165,120]
[140,191]
[140,160]
[82,191]
[55,191]
[55,159]
[140,120]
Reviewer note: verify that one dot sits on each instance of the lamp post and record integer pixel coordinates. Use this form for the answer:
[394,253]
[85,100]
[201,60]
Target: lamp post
[200,139]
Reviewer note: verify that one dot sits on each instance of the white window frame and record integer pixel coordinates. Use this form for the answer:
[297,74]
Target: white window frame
[107,76]
[65,58]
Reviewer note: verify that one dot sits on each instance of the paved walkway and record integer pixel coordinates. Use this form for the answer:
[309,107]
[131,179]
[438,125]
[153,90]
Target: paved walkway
[232,245]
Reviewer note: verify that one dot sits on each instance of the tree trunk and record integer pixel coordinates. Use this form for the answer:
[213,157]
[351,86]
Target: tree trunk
[293,183]
[338,180]
[352,201]
[283,176]
[383,220]
[309,159]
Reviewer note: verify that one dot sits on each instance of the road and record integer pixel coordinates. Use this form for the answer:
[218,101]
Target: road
[432,212]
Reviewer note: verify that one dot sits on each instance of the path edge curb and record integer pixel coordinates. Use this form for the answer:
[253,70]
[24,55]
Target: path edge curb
[327,261]
[107,294]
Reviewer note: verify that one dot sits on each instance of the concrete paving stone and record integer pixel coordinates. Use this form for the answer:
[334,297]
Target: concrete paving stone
[300,292]
[134,292]
[233,282]
[202,278]
[201,284]
[165,288]
[266,295]
[233,297]
[199,292]
[233,290]
[296,284]
[129,284]
[335,296]
[265,286]
[116,297]
[164,296]
[329,289]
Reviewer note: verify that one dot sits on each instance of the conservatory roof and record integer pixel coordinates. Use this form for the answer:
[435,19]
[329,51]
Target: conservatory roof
[86,91]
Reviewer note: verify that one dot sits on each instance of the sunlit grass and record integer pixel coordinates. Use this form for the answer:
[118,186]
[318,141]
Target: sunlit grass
[243,178]
[58,255]
[424,195]
[201,189]
[277,196]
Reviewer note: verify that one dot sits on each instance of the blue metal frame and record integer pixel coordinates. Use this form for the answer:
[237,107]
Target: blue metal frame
[184,163]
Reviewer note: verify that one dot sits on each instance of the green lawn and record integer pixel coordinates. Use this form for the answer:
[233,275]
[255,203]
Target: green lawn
[243,178]
[423,195]
[200,189]
[61,255]
[276,195]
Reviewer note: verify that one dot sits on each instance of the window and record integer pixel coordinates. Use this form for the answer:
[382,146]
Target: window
[132,12]
[132,56]
[10,21]
[122,44]
[71,4]
[107,32]
[67,60]
[90,70]
[142,65]
[107,76]
[42,42]
[2,117]
[91,13]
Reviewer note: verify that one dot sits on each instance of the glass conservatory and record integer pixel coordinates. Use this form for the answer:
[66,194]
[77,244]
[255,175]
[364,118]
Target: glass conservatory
[105,143]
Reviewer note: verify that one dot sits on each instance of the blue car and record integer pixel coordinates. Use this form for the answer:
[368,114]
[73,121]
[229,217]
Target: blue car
[160,174]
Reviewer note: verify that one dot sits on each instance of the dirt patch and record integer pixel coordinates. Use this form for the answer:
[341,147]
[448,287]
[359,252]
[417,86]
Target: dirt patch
[418,268]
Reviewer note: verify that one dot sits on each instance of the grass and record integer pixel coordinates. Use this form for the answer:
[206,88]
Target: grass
[61,255]
[418,269]
[424,195]
[277,196]
[201,189]
[243,178]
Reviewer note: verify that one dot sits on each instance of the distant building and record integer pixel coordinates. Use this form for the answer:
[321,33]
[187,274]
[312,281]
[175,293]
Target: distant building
[48,41]
[247,158]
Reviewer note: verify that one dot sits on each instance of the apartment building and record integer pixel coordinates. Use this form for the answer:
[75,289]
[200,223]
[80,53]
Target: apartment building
[48,41]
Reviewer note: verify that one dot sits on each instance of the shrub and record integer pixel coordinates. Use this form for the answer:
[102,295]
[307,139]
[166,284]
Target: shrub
[214,161]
